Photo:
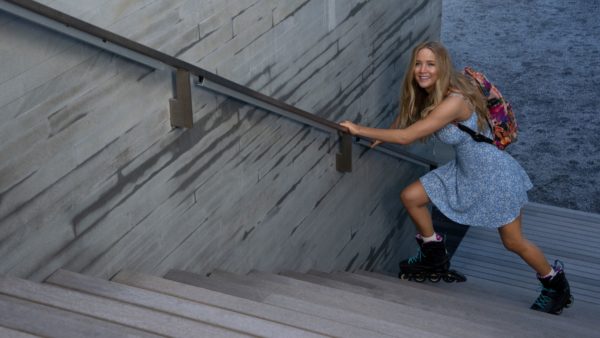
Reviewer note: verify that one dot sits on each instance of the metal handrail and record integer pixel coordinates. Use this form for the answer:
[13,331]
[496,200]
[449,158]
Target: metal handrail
[181,110]
[398,152]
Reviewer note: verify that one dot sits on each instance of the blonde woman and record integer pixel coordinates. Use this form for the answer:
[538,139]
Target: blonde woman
[482,186]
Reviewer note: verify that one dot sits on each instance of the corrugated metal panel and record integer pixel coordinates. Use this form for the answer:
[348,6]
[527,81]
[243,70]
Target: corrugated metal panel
[568,235]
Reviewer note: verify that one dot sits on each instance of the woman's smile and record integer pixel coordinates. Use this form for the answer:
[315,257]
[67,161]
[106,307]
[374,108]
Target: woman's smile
[426,72]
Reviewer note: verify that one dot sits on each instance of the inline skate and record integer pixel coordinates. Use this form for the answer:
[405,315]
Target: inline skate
[430,263]
[556,293]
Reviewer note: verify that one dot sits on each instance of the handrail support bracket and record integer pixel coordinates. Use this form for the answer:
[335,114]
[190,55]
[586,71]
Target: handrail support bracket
[344,157]
[180,106]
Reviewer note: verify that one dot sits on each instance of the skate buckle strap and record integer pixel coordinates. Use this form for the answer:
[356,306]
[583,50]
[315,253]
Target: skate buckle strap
[558,265]
[543,300]
[416,258]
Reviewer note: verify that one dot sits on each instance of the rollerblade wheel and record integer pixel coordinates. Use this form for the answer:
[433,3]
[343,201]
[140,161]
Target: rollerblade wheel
[404,276]
[449,278]
[456,276]
[569,302]
[420,278]
[435,278]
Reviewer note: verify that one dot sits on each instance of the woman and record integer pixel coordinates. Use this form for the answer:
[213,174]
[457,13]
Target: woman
[483,186]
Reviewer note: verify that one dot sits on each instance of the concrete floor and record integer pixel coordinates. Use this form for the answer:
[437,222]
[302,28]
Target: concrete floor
[545,58]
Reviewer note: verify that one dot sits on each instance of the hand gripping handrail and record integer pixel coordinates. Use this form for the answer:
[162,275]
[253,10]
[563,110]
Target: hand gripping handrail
[181,104]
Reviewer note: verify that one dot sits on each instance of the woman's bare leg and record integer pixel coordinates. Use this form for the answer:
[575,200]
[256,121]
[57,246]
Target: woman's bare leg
[513,240]
[416,201]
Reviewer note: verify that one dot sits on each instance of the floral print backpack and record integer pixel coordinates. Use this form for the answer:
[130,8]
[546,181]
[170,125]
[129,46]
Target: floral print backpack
[503,123]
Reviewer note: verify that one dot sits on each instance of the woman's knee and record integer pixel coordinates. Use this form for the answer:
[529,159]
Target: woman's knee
[414,195]
[512,237]
[515,245]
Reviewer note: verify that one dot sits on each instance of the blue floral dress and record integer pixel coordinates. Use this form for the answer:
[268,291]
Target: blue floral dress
[482,186]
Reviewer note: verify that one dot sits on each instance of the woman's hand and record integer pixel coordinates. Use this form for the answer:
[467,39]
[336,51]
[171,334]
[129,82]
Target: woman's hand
[353,128]
[375,143]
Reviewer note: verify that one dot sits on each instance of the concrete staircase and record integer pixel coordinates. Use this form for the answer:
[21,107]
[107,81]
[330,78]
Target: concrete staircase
[290,304]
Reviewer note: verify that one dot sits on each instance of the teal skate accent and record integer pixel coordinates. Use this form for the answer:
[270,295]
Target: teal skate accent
[543,300]
[416,258]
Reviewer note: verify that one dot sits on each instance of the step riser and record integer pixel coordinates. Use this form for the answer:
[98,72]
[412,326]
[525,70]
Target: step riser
[477,309]
[47,321]
[260,310]
[383,310]
[118,312]
[234,285]
[175,306]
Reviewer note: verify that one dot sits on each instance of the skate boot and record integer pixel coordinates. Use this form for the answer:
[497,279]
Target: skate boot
[556,293]
[431,262]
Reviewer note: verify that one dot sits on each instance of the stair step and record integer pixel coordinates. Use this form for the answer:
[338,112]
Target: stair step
[46,321]
[235,285]
[230,287]
[402,292]
[455,289]
[561,234]
[202,313]
[242,305]
[10,333]
[470,290]
[496,294]
[118,312]
[581,313]
[381,309]
[477,308]
[558,213]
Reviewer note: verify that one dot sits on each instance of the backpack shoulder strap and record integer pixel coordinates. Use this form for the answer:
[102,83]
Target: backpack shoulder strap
[477,137]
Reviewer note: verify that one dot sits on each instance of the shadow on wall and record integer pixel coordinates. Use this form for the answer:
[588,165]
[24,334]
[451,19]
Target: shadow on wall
[94,180]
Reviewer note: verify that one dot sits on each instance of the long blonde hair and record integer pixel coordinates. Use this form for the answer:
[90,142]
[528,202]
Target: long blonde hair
[416,103]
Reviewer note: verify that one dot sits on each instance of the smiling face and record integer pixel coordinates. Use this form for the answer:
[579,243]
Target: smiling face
[426,69]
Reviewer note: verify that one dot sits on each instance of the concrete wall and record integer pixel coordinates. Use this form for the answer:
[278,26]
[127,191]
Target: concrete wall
[93,178]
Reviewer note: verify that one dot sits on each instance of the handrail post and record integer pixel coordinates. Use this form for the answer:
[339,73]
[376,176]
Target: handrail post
[180,106]
[344,157]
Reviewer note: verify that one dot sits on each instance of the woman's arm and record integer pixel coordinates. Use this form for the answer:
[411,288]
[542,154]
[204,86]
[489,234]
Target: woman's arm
[451,109]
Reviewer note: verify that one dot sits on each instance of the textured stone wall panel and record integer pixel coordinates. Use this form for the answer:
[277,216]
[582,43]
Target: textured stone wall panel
[93,179]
